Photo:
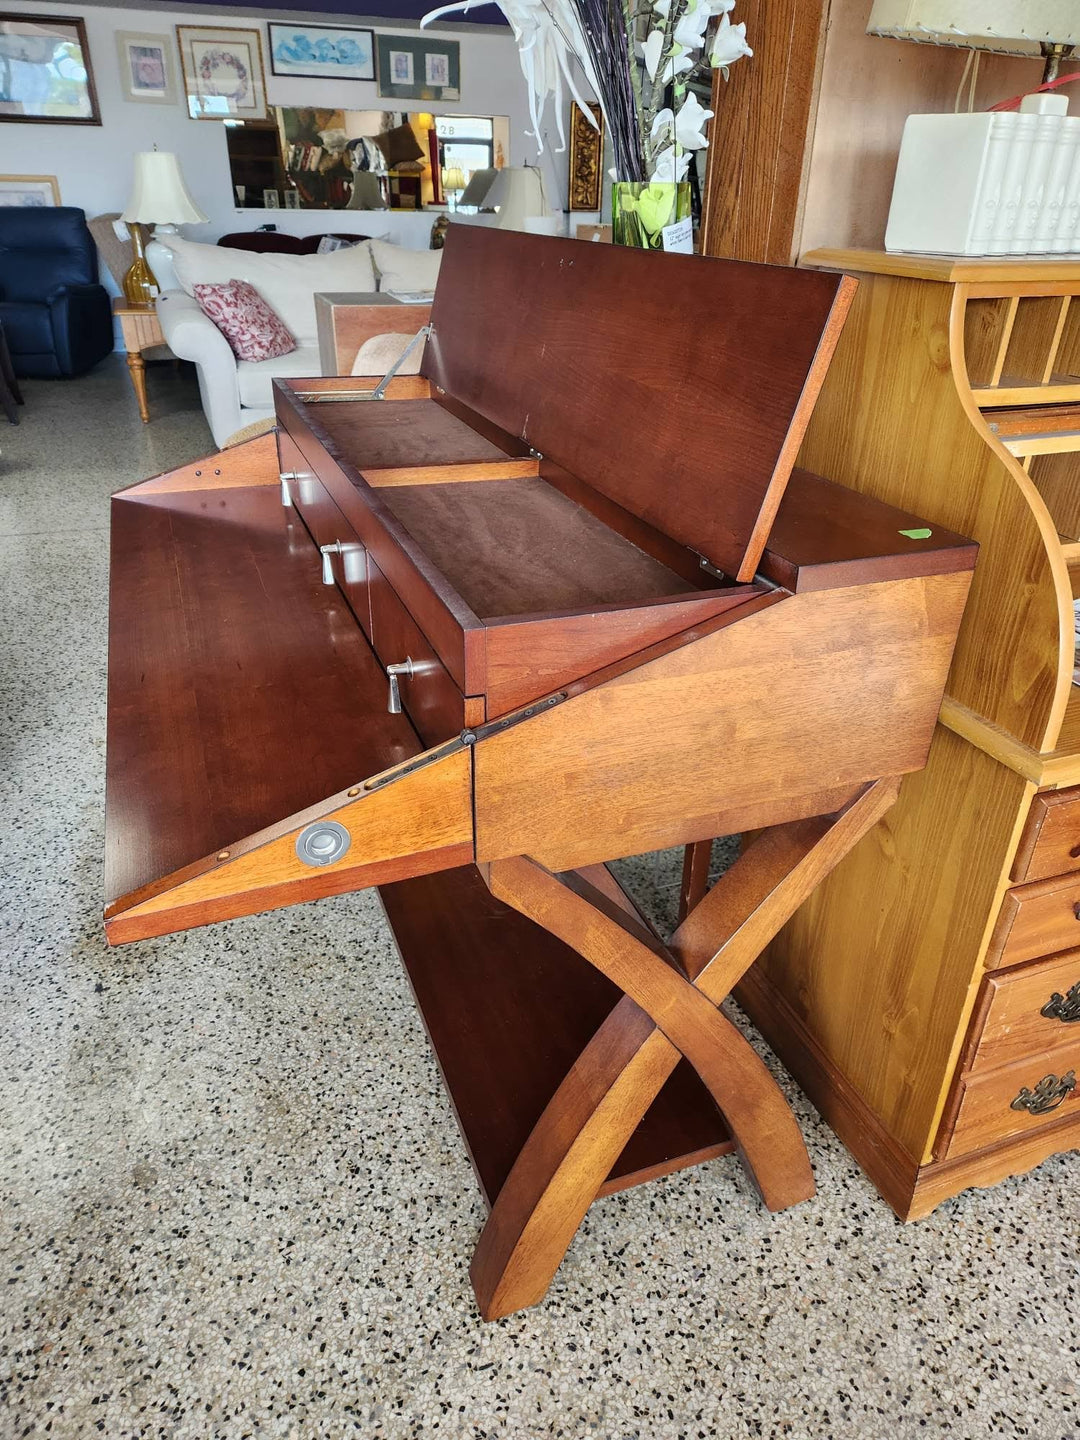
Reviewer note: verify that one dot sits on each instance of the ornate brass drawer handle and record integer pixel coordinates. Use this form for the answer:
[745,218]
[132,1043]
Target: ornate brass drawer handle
[1065,1008]
[1048,1094]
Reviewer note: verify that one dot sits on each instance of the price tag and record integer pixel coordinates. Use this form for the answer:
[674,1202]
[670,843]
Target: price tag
[679,237]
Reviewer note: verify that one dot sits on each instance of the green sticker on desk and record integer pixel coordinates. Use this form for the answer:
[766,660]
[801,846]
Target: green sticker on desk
[922,534]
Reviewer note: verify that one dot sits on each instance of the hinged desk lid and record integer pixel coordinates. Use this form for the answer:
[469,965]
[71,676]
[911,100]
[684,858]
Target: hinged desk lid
[678,386]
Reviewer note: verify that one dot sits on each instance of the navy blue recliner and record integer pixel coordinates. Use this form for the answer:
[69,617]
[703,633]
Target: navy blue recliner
[56,317]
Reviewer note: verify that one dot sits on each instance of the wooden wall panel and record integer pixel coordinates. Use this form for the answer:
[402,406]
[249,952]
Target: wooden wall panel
[804,144]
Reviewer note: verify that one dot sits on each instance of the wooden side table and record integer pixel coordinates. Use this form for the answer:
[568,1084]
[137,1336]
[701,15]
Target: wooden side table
[346,320]
[141,330]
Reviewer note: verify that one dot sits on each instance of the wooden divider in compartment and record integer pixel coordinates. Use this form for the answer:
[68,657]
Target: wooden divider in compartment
[1020,348]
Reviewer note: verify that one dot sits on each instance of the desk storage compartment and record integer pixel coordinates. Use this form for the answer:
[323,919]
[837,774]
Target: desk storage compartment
[1050,844]
[1041,918]
[1038,1090]
[1021,1012]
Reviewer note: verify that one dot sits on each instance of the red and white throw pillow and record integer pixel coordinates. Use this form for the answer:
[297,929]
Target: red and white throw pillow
[252,327]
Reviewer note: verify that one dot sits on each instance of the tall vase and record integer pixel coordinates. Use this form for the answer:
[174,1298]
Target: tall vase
[140,287]
[640,212]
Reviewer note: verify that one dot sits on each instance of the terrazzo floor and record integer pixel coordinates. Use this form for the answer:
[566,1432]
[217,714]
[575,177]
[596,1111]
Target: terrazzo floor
[234,1202]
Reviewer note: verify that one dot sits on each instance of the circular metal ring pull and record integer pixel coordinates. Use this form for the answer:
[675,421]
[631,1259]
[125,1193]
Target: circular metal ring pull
[322,842]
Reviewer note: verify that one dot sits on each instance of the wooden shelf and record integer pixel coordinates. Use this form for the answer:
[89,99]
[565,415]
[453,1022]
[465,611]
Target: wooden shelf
[508,1010]
[1058,390]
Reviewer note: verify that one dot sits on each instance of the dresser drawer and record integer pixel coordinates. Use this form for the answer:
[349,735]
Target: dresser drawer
[328,526]
[1010,1022]
[429,696]
[1050,844]
[1030,1093]
[1041,918]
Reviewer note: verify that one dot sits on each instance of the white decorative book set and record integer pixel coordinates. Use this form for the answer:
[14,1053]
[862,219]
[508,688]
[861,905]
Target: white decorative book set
[997,183]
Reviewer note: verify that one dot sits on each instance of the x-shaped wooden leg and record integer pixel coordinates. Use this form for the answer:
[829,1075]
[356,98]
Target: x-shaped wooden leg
[668,1010]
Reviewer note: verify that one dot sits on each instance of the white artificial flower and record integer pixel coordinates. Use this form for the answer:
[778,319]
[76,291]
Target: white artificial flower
[690,30]
[663,125]
[729,43]
[678,61]
[668,167]
[652,50]
[690,124]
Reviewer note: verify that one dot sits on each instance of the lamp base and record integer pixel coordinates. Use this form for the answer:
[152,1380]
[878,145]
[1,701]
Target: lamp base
[140,287]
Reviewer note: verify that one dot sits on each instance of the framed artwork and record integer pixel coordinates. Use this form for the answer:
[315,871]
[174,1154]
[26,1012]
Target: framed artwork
[271,200]
[146,68]
[418,69]
[292,199]
[29,191]
[45,74]
[586,158]
[223,72]
[322,52]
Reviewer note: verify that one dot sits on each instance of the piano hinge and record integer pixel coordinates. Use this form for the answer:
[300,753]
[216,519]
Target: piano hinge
[493,727]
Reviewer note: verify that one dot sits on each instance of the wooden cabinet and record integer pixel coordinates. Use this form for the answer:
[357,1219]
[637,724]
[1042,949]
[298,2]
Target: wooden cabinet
[909,995]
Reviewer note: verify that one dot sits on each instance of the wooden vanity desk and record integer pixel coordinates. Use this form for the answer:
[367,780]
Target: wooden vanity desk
[557,600]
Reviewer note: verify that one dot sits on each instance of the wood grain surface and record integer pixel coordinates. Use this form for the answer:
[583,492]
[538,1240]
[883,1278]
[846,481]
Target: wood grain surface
[1009,1023]
[520,546]
[241,688]
[1050,844]
[825,688]
[758,363]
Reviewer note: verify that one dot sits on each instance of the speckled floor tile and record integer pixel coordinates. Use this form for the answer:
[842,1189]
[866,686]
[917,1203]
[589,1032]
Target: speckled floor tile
[234,1202]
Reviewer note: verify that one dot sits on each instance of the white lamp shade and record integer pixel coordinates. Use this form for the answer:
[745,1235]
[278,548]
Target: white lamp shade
[516,192]
[160,196]
[1011,27]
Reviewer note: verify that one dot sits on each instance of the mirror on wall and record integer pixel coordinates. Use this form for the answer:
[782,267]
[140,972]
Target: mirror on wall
[309,158]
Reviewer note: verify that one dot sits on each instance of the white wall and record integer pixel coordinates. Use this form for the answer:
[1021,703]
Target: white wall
[94,164]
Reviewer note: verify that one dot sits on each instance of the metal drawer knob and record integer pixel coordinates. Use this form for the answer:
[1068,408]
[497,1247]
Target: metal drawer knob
[327,552]
[1065,1008]
[393,671]
[1048,1094]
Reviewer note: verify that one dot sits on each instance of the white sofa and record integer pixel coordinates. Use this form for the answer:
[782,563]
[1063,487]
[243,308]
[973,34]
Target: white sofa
[236,393]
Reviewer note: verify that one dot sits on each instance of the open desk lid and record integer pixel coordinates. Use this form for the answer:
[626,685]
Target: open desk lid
[678,386]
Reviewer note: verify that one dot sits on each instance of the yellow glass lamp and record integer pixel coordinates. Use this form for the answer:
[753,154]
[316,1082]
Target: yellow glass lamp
[160,198]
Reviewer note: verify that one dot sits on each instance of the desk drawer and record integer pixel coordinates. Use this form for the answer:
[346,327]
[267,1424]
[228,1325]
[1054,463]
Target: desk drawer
[1010,1022]
[430,698]
[1038,919]
[1051,841]
[1026,1095]
[328,526]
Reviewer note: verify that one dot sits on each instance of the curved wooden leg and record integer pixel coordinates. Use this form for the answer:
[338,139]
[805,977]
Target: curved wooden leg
[600,1103]
[762,1125]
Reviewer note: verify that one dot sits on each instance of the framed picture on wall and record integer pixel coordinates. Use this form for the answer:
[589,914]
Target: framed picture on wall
[586,157]
[223,72]
[147,71]
[32,192]
[412,69]
[45,74]
[322,52]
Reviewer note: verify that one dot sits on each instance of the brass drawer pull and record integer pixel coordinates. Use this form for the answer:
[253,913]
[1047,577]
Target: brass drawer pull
[1048,1094]
[1065,1008]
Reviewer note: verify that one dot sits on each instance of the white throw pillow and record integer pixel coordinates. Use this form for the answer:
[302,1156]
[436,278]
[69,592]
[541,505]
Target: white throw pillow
[401,269]
[288,283]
